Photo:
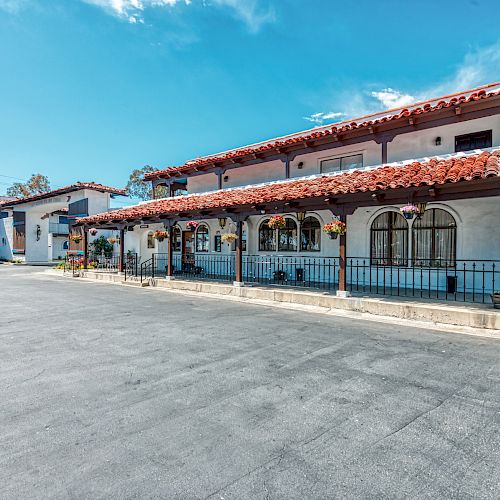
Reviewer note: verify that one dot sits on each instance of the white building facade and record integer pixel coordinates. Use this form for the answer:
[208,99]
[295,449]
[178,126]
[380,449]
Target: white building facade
[450,246]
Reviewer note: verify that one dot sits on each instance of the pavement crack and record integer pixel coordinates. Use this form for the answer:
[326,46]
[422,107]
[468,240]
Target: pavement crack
[26,380]
[405,425]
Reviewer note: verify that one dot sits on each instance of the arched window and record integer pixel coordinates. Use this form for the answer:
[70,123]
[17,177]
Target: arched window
[389,240]
[310,235]
[176,239]
[202,238]
[267,239]
[435,239]
[287,237]
[65,245]
[151,240]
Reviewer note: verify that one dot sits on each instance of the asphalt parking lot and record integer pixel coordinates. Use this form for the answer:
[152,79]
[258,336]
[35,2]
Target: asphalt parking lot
[121,392]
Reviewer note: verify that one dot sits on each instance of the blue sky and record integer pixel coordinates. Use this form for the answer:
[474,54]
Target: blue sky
[91,89]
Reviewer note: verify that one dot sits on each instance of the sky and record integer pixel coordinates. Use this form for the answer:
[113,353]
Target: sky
[92,89]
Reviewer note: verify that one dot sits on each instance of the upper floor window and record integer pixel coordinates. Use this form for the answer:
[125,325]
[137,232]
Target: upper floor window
[310,235]
[435,239]
[202,241]
[341,163]
[389,240]
[477,140]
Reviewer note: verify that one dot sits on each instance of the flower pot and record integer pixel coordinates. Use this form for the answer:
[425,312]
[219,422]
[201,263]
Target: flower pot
[495,298]
[408,215]
[333,236]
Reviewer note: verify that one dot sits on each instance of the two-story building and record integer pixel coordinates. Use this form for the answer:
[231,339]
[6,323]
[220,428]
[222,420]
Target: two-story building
[439,159]
[35,229]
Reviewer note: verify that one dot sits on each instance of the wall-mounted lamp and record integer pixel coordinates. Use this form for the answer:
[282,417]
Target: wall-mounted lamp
[421,209]
[437,141]
[300,165]
[301,216]
[222,222]
[38,232]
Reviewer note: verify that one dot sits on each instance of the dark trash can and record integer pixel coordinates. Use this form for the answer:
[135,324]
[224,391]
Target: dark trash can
[451,284]
[299,274]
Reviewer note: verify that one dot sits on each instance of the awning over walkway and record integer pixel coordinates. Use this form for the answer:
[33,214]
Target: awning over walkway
[476,174]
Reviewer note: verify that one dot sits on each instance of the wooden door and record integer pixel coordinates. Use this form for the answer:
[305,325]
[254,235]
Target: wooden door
[187,249]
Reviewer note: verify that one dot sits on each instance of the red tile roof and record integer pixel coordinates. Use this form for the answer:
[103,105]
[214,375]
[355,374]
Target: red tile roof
[67,189]
[429,172]
[436,104]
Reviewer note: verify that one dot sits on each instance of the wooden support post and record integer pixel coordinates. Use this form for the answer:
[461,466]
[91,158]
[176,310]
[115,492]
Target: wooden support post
[287,167]
[121,267]
[384,151]
[85,247]
[239,253]
[169,227]
[343,262]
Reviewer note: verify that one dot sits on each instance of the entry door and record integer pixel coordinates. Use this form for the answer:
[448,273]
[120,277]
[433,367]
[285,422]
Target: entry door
[188,247]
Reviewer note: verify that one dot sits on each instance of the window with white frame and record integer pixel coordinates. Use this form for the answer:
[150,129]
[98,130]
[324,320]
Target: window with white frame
[151,240]
[340,163]
[310,235]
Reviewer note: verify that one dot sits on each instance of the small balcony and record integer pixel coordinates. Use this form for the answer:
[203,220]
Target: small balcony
[58,228]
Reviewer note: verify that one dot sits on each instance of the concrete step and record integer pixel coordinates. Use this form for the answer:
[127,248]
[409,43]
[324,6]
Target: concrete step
[135,283]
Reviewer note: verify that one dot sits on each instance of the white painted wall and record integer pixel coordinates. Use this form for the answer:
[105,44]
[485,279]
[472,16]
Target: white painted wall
[6,234]
[412,145]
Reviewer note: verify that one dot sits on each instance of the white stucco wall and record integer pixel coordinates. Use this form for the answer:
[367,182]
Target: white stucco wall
[418,144]
[6,234]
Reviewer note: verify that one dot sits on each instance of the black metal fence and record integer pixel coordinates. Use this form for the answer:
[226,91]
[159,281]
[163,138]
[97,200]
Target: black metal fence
[461,280]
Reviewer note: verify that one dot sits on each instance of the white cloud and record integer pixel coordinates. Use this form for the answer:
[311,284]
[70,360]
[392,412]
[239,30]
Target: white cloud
[478,67]
[320,118]
[13,6]
[391,98]
[132,10]
[250,12]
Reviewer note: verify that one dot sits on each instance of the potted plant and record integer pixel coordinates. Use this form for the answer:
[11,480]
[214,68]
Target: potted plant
[229,237]
[92,231]
[495,298]
[160,234]
[76,238]
[334,228]
[277,222]
[409,211]
[192,224]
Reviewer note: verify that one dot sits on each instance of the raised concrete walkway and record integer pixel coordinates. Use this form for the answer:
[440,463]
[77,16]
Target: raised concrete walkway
[481,316]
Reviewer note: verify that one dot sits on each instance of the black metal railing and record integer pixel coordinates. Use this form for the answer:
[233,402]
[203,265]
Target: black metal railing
[310,272]
[106,262]
[131,267]
[458,280]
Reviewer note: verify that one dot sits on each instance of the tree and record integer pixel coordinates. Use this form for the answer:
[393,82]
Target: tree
[137,187]
[101,245]
[36,184]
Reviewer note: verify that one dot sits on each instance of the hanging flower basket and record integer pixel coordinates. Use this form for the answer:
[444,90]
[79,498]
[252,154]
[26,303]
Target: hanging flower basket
[76,238]
[92,231]
[277,222]
[113,240]
[409,211]
[160,234]
[229,237]
[334,228]
[192,224]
